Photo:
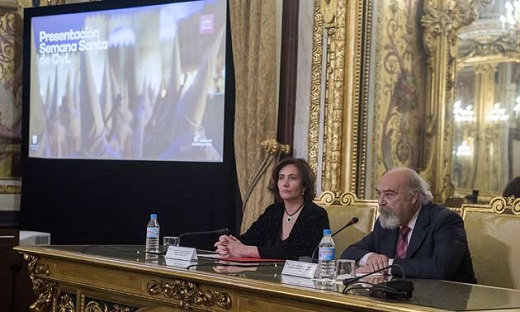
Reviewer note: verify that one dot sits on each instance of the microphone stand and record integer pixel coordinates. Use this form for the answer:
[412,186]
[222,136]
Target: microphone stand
[352,221]
[219,232]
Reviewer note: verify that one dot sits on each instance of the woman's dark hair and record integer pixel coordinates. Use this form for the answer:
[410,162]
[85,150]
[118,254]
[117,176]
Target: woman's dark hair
[512,188]
[307,175]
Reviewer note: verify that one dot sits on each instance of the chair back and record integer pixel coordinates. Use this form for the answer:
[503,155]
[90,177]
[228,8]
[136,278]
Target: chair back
[493,236]
[341,210]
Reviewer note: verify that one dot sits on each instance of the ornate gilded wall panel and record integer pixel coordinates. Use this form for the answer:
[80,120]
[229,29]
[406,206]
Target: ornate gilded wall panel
[409,116]
[10,101]
[442,22]
[338,99]
[400,74]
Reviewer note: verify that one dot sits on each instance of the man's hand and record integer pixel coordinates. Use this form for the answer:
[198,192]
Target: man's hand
[374,262]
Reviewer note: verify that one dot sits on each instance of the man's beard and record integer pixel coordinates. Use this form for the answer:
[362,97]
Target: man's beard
[388,219]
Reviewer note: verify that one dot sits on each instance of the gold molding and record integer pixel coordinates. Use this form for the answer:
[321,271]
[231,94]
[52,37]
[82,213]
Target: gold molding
[442,21]
[96,306]
[479,50]
[334,96]
[364,36]
[499,205]
[340,53]
[189,294]
[504,204]
[66,303]
[10,189]
[328,10]
[272,147]
[46,290]
[316,68]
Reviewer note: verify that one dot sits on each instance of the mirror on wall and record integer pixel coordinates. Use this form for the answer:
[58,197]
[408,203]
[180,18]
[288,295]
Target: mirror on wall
[486,100]
[486,111]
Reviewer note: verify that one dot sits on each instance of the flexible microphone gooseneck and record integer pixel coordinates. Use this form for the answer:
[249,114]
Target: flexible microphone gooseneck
[352,280]
[352,221]
[223,231]
[393,289]
[220,232]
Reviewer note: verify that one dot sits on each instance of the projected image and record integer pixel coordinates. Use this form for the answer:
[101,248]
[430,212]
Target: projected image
[143,83]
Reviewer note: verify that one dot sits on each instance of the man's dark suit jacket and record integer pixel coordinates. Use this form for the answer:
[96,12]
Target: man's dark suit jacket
[438,248]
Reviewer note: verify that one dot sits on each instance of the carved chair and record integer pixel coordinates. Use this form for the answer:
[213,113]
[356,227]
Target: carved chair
[493,231]
[341,210]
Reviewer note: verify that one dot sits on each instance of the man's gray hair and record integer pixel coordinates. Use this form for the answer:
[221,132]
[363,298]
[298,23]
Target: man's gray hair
[419,184]
[416,183]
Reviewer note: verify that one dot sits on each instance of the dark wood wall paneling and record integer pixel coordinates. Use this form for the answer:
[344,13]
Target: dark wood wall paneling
[288,72]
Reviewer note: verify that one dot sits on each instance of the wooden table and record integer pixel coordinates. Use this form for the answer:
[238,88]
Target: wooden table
[123,278]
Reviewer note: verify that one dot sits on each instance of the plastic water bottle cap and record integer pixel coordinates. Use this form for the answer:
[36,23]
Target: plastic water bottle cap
[153,216]
[326,231]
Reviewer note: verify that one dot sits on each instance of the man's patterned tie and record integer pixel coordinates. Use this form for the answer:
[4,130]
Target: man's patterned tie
[402,243]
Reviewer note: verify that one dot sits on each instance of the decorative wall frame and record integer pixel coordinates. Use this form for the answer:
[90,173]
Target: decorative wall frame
[416,95]
[339,88]
[10,102]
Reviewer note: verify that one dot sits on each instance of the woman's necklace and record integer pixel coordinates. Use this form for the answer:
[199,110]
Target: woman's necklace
[289,215]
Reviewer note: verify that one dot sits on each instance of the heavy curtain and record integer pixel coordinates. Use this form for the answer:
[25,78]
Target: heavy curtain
[253,31]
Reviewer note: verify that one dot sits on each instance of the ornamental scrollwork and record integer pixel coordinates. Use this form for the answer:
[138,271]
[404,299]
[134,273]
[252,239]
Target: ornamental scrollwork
[272,147]
[327,198]
[44,289]
[515,205]
[66,304]
[316,77]
[347,198]
[189,294]
[506,205]
[328,12]
[498,204]
[95,306]
[447,21]
[503,45]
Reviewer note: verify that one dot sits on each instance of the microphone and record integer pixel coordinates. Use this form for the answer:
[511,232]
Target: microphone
[352,221]
[219,232]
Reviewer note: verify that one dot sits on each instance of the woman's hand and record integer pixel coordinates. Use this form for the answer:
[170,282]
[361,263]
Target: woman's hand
[222,246]
[230,246]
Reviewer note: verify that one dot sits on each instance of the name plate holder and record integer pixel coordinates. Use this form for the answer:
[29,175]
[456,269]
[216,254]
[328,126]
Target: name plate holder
[299,269]
[180,263]
[299,281]
[181,253]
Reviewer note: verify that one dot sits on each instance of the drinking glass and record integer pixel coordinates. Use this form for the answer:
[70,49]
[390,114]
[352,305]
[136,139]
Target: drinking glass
[170,241]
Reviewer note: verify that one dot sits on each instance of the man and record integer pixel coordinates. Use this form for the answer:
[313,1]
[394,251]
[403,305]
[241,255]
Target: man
[435,245]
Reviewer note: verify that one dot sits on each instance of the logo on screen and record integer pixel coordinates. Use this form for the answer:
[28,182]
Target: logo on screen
[206,24]
[34,142]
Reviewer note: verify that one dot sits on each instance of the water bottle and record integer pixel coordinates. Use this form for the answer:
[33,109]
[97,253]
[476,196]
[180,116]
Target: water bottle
[152,235]
[327,257]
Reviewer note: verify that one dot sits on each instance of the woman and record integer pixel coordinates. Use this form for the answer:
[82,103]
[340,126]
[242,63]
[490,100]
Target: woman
[289,228]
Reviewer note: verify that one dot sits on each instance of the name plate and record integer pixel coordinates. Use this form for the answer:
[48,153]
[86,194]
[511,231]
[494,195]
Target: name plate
[180,263]
[299,281]
[299,268]
[181,253]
